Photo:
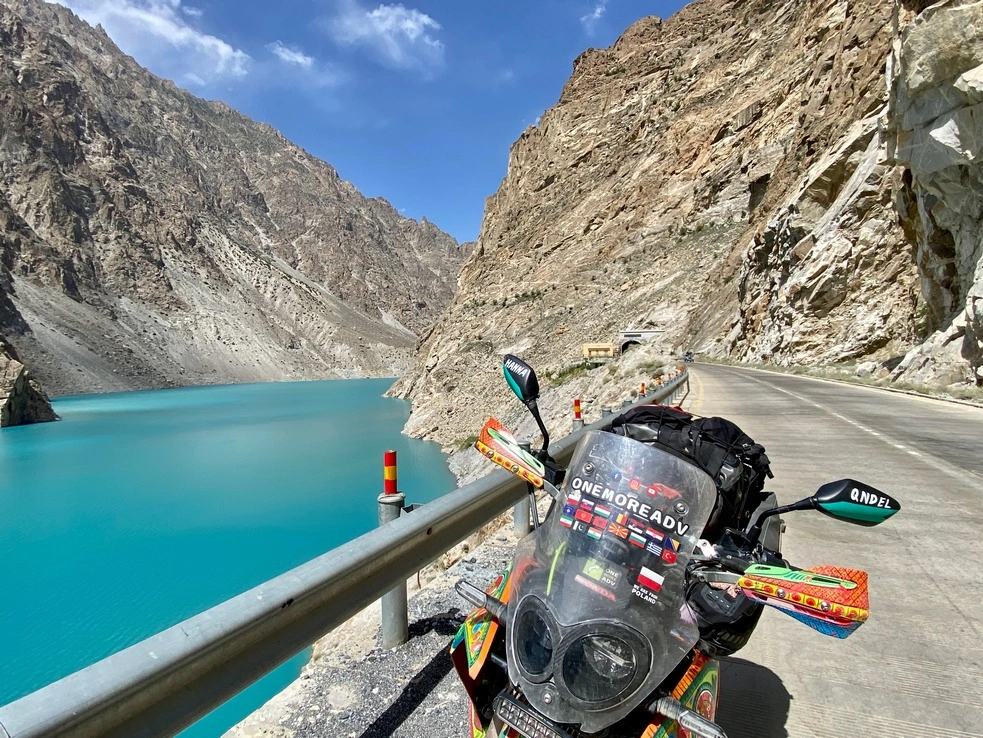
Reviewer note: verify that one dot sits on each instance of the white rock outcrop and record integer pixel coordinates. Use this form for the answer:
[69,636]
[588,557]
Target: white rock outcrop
[937,118]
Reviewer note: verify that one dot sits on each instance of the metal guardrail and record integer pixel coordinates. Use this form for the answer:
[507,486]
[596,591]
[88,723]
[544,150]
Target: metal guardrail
[164,683]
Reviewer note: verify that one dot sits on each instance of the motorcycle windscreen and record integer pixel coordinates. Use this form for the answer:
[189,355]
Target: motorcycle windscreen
[597,616]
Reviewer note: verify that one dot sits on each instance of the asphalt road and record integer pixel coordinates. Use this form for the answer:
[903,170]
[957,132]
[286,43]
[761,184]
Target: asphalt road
[916,667]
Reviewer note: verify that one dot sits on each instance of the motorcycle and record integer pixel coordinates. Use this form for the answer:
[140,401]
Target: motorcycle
[604,622]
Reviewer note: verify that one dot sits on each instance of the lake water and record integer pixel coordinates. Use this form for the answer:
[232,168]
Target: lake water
[138,510]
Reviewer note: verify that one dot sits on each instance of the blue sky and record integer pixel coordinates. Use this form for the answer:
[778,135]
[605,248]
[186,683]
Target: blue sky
[417,102]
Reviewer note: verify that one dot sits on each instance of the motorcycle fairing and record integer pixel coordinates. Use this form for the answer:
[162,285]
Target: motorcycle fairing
[830,599]
[697,691]
[477,633]
[597,614]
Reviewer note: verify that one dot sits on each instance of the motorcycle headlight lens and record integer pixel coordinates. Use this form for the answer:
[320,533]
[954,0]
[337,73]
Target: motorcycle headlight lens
[534,642]
[598,667]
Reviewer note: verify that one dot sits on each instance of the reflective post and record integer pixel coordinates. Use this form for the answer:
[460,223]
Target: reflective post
[578,419]
[395,621]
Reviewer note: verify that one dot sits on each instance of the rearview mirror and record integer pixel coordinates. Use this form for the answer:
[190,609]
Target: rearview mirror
[847,499]
[855,502]
[521,378]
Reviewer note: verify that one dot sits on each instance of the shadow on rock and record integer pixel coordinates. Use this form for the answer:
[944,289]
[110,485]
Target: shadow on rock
[445,624]
[753,701]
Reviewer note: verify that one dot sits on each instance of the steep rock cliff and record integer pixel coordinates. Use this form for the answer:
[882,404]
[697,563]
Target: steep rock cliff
[721,175]
[22,400]
[937,128]
[151,238]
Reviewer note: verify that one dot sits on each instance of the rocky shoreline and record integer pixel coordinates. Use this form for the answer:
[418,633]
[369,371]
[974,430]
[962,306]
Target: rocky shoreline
[22,400]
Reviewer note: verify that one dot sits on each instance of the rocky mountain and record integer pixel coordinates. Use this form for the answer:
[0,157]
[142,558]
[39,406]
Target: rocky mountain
[795,182]
[21,398]
[150,238]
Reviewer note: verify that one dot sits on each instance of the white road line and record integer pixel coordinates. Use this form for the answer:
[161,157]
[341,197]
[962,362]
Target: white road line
[963,475]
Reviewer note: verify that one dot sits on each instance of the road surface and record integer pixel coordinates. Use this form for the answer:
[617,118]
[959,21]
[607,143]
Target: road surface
[916,667]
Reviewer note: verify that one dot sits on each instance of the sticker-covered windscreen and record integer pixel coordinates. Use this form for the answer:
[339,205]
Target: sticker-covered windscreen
[597,615]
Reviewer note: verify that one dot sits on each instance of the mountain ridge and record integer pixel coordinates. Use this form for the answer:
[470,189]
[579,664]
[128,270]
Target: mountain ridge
[156,239]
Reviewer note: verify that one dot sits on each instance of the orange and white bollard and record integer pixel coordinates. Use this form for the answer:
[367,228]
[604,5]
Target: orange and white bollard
[642,390]
[578,418]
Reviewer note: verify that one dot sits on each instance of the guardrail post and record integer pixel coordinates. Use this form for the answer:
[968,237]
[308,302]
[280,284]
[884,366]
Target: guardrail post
[606,412]
[578,418]
[626,403]
[395,620]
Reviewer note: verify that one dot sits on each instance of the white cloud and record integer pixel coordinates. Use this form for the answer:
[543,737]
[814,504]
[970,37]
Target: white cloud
[158,35]
[291,56]
[590,21]
[400,37]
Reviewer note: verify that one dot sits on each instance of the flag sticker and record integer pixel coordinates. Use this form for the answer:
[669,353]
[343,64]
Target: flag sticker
[650,579]
[636,539]
[669,556]
[566,521]
[583,516]
[655,535]
[587,504]
[621,518]
[569,509]
[595,533]
[653,548]
[604,512]
[617,530]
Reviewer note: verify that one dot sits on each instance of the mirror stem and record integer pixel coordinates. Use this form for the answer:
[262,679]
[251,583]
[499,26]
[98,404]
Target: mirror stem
[544,451]
[755,532]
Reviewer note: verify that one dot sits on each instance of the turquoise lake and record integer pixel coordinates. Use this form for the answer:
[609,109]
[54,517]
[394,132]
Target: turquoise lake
[138,510]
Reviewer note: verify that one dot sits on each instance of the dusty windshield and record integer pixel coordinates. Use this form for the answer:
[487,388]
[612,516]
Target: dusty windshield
[597,613]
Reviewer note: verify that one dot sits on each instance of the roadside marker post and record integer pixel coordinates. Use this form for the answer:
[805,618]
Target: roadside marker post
[395,620]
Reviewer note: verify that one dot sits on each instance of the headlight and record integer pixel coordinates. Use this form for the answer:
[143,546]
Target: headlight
[534,643]
[598,667]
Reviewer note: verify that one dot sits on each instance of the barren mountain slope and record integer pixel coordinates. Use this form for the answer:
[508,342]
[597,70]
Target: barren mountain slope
[152,238]
[652,193]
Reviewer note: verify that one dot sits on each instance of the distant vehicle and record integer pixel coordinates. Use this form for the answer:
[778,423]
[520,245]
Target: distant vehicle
[688,356]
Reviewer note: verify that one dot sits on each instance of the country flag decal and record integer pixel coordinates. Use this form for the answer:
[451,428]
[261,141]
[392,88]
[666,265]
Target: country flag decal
[617,530]
[650,580]
[566,521]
